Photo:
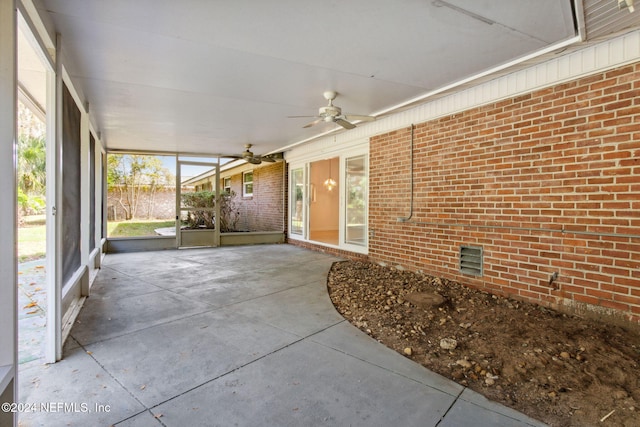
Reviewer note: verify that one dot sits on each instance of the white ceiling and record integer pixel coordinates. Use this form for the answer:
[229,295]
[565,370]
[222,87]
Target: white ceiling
[199,76]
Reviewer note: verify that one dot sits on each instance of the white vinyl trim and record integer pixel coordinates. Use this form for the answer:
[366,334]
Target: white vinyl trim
[8,226]
[51,262]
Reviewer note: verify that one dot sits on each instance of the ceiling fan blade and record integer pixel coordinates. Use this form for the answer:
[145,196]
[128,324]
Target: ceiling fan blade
[358,117]
[345,124]
[254,160]
[315,122]
[273,157]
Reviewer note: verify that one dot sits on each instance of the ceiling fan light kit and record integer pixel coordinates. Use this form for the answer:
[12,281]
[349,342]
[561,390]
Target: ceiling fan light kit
[332,113]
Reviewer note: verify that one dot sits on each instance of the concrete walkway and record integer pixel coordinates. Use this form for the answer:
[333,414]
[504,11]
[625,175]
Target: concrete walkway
[234,336]
[32,306]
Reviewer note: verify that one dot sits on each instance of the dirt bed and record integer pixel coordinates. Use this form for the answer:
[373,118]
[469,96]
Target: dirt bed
[559,369]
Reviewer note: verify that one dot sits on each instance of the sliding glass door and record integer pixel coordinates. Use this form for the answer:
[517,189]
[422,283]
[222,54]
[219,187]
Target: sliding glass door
[328,201]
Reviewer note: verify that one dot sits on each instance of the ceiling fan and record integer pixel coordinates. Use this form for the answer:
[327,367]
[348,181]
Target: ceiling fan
[249,157]
[332,113]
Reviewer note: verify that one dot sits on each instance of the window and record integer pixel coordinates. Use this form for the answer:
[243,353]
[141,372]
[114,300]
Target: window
[247,184]
[226,185]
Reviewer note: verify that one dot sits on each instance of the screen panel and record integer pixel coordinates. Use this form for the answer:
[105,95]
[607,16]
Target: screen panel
[71,201]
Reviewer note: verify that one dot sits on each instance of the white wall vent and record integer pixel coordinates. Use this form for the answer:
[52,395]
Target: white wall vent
[471,260]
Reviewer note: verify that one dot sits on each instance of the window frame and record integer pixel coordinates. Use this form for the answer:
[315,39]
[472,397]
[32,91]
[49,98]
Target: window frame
[246,183]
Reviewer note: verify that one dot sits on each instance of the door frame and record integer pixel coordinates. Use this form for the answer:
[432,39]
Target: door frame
[304,163]
[181,241]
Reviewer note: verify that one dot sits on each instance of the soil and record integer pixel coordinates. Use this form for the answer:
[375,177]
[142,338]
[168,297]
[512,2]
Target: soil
[559,369]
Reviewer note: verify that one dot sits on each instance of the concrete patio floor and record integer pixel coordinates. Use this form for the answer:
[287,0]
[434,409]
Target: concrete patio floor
[243,336]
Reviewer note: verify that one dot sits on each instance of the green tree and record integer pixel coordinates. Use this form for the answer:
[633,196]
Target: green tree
[31,163]
[129,175]
[32,167]
[32,173]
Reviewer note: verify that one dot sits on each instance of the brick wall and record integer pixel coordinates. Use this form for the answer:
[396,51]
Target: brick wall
[264,210]
[159,205]
[546,182]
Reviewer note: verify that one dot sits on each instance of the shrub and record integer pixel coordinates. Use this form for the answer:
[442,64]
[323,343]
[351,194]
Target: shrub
[205,216]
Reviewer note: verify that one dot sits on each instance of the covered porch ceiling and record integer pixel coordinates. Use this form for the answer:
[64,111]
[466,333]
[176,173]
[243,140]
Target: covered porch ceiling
[207,77]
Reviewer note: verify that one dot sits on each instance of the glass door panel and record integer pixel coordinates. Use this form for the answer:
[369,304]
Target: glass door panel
[324,201]
[297,201]
[196,222]
[356,200]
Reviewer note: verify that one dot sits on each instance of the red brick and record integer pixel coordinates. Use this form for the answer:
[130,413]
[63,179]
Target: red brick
[529,179]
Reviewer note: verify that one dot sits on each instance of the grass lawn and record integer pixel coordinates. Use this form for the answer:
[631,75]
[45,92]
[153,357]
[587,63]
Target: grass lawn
[32,234]
[32,238]
[136,228]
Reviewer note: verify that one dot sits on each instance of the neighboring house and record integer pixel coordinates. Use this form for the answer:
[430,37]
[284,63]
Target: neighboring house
[258,192]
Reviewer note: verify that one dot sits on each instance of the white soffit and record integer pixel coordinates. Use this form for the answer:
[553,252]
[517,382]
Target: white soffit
[209,76]
[608,54]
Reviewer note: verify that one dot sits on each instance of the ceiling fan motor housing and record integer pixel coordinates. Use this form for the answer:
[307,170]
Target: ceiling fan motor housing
[329,111]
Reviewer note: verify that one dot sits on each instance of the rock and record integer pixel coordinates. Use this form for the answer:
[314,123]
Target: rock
[489,381]
[448,343]
[620,394]
[408,351]
[464,363]
[565,355]
[425,299]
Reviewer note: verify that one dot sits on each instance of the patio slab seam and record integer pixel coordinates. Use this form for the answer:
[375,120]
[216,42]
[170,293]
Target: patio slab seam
[453,403]
[257,359]
[212,308]
[106,371]
[400,374]
[124,334]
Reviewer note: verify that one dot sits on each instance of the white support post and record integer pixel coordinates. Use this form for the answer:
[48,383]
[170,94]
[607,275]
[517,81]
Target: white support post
[53,304]
[8,208]
[53,349]
[99,171]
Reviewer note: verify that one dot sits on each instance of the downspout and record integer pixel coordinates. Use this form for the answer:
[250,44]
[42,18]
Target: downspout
[405,219]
